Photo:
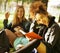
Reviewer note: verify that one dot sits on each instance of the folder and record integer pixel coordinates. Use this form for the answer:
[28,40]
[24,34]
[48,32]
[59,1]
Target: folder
[31,35]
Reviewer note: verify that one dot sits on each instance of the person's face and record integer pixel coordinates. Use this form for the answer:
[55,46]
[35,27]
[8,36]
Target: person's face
[7,15]
[41,20]
[20,13]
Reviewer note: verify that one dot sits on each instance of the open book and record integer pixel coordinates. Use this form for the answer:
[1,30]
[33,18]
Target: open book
[31,35]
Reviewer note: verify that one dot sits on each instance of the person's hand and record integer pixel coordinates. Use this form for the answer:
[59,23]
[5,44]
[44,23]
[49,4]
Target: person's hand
[7,14]
[18,28]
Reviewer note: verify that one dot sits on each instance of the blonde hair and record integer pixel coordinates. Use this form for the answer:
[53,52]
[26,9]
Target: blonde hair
[44,17]
[16,19]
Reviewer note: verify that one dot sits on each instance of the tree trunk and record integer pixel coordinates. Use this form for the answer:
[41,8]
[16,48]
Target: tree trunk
[5,2]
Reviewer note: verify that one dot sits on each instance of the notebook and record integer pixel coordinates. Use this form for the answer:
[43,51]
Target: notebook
[31,35]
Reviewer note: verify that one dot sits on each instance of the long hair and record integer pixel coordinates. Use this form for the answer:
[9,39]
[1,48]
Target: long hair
[38,7]
[16,20]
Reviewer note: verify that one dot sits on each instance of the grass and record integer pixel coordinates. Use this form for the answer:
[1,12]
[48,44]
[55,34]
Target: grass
[1,24]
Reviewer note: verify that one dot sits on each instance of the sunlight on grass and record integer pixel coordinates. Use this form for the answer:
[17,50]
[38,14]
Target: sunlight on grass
[1,24]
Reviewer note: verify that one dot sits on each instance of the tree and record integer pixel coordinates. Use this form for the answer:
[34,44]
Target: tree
[5,2]
[0,4]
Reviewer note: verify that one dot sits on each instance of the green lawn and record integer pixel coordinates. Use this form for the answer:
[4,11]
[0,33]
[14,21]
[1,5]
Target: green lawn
[1,24]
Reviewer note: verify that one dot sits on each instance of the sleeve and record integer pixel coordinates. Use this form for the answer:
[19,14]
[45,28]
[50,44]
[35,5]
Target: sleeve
[6,25]
[57,35]
[55,46]
[53,35]
[48,47]
[27,26]
[5,22]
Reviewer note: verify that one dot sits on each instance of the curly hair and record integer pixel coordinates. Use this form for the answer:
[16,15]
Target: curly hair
[38,6]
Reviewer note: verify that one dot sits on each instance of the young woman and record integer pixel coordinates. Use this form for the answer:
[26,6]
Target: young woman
[50,33]
[18,19]
[12,30]
[50,42]
[36,9]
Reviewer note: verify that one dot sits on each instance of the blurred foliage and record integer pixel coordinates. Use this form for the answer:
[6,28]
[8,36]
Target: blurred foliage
[1,24]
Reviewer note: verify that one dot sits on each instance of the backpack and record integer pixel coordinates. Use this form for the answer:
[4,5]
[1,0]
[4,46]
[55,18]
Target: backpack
[4,42]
